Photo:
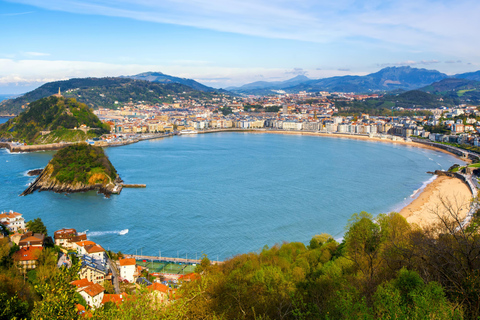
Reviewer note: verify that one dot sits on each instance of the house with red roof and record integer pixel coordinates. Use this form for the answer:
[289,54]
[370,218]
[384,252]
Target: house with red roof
[68,237]
[26,258]
[189,277]
[128,269]
[31,239]
[12,220]
[92,292]
[114,298]
[92,250]
[160,292]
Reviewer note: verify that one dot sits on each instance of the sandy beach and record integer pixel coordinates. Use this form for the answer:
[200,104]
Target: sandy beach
[443,190]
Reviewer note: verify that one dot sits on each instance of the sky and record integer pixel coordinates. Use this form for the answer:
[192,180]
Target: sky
[223,43]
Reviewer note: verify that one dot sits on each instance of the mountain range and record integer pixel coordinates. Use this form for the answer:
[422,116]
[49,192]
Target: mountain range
[157,87]
[387,79]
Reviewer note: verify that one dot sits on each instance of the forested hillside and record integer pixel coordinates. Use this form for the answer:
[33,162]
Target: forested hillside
[108,93]
[57,115]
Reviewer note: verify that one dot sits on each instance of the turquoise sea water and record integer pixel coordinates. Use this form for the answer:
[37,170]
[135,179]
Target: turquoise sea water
[227,193]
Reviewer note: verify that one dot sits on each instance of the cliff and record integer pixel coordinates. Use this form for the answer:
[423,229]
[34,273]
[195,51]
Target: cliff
[78,168]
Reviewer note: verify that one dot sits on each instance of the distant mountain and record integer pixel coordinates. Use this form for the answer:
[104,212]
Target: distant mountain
[106,92]
[387,79]
[469,76]
[270,85]
[459,90]
[164,78]
[451,84]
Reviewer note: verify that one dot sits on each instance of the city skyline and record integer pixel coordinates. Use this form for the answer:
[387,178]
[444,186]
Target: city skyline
[230,43]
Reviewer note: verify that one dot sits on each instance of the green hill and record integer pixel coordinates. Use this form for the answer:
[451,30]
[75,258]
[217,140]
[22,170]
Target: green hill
[108,93]
[53,119]
[77,168]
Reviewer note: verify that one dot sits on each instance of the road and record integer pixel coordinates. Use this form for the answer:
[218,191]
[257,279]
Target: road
[112,266]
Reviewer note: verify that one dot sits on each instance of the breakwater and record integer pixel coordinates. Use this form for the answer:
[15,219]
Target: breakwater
[12,147]
[167,259]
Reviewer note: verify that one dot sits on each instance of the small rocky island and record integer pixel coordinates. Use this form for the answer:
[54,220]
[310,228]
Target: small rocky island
[78,168]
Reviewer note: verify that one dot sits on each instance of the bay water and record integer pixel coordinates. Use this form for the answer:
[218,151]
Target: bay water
[224,194]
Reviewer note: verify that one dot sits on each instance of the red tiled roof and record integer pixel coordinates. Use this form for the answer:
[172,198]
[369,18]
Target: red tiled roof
[158,287]
[81,283]
[115,298]
[128,262]
[27,253]
[189,277]
[94,248]
[85,243]
[94,289]
[65,233]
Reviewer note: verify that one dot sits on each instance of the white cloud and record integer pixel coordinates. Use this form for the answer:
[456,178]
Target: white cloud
[27,73]
[425,25]
[35,54]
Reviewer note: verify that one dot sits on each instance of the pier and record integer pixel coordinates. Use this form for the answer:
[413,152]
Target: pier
[167,259]
[133,185]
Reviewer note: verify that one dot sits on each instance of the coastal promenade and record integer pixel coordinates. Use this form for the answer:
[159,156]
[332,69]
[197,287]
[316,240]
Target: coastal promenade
[18,147]
[167,259]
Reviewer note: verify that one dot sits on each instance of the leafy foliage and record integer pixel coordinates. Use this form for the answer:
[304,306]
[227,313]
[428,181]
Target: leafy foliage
[103,92]
[36,226]
[50,114]
[82,163]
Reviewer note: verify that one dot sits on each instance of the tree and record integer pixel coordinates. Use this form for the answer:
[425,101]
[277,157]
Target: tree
[36,226]
[58,296]
[449,252]
[363,244]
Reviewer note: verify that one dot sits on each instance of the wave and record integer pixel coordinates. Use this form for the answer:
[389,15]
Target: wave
[424,185]
[102,233]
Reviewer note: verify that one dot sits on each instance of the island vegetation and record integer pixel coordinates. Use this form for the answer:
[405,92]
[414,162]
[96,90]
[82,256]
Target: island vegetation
[53,119]
[77,168]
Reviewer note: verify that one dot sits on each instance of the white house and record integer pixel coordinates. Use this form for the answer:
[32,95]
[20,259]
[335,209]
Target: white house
[12,220]
[91,292]
[128,269]
[92,250]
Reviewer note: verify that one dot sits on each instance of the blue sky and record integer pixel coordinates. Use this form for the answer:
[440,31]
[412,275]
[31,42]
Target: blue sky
[231,42]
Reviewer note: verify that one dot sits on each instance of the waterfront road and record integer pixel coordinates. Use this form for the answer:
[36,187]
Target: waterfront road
[166,259]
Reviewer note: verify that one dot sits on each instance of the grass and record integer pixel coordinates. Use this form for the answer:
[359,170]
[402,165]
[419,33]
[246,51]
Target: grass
[66,135]
[460,93]
[474,165]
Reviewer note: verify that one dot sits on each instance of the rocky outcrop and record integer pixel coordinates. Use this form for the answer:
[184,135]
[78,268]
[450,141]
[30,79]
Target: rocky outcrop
[34,172]
[46,182]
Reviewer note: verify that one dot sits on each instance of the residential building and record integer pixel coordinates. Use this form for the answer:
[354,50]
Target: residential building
[128,269]
[26,258]
[31,239]
[92,292]
[92,270]
[12,220]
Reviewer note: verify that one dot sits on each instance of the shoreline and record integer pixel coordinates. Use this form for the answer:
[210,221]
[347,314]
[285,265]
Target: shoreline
[417,211]
[424,208]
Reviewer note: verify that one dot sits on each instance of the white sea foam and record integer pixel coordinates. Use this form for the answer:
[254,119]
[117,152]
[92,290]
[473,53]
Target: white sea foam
[424,185]
[102,233]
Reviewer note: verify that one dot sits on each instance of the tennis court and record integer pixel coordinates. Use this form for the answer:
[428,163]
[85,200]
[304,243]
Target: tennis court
[167,267]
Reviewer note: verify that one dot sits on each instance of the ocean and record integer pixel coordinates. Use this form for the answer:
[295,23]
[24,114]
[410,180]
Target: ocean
[224,194]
